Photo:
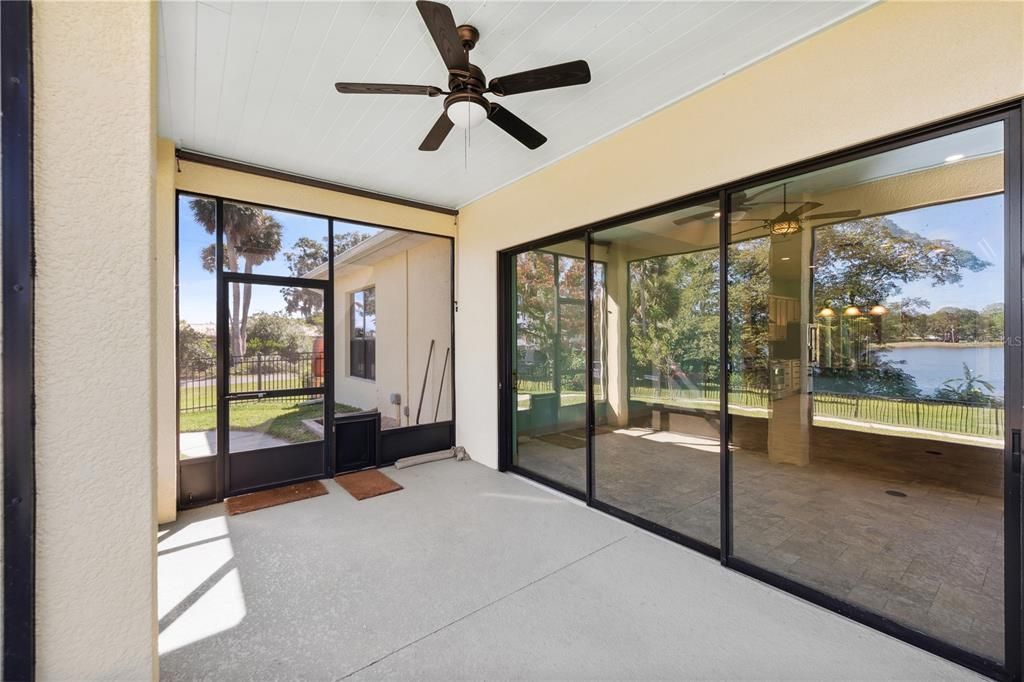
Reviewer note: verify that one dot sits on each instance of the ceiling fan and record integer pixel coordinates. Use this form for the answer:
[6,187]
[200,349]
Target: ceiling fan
[787,222]
[464,104]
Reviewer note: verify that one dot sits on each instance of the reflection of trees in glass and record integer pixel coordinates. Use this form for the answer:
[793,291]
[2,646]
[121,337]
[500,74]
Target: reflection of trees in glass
[251,237]
[535,310]
[551,320]
[862,263]
[749,281]
[673,318]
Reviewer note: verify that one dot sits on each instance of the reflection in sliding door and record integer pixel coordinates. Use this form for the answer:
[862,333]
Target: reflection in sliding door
[867,385]
[549,363]
[656,450]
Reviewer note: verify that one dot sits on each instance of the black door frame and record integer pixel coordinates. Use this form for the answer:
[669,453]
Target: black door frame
[18,270]
[283,464]
[1011,115]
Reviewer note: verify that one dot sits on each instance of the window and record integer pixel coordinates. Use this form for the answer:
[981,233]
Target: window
[363,335]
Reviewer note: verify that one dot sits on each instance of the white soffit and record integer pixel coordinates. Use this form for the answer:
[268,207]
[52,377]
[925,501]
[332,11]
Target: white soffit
[253,81]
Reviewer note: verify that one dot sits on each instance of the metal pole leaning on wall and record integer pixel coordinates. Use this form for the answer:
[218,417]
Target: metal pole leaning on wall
[426,373]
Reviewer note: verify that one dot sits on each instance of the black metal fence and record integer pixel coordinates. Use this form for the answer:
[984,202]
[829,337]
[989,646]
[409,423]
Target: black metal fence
[250,373]
[986,420]
[973,419]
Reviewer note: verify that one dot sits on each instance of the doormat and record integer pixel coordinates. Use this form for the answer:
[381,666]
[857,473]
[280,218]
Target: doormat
[364,484]
[563,440]
[273,497]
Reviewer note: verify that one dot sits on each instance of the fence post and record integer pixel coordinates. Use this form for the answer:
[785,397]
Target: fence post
[259,372]
[856,406]
[917,410]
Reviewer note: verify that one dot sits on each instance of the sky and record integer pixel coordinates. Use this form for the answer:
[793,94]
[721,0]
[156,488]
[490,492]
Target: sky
[197,289]
[976,225]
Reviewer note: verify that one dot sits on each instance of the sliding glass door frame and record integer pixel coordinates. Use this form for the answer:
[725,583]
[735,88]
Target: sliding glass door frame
[1011,117]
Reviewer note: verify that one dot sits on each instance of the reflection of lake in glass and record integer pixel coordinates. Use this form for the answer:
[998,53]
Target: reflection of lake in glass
[931,365]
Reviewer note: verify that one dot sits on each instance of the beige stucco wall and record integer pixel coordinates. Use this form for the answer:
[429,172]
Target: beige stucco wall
[95,358]
[413,295]
[892,67]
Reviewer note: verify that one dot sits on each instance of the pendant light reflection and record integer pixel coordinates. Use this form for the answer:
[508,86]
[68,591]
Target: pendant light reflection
[878,310]
[852,311]
[826,312]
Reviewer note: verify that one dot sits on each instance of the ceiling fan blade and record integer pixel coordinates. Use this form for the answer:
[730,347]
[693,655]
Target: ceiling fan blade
[807,206]
[697,216]
[834,214]
[442,126]
[757,194]
[387,89]
[557,76]
[441,25]
[515,126]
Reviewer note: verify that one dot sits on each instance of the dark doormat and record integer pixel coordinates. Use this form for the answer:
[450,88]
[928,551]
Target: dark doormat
[273,497]
[563,440]
[369,483]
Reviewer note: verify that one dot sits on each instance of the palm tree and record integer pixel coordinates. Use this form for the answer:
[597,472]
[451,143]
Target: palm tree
[251,237]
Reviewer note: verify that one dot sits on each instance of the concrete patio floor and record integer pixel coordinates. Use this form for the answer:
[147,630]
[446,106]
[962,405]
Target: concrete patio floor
[468,574]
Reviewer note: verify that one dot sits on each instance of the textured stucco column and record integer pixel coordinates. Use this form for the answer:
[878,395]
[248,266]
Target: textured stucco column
[95,458]
[165,342]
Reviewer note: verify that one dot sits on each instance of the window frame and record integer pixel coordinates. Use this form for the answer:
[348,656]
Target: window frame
[369,359]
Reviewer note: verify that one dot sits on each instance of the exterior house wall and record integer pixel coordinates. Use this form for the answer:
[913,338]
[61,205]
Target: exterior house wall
[354,391]
[413,298]
[892,67]
[95,164]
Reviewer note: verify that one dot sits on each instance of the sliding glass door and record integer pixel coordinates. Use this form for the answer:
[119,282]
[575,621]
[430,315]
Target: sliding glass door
[656,443]
[867,390]
[815,377]
[549,370]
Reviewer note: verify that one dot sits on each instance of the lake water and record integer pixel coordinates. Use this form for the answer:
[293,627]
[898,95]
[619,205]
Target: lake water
[932,365]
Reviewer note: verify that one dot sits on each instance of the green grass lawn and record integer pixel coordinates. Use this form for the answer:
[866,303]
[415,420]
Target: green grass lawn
[976,421]
[205,393]
[278,418]
[970,420]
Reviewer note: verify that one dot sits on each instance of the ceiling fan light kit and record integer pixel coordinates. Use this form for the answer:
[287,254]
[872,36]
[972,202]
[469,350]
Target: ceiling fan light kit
[464,104]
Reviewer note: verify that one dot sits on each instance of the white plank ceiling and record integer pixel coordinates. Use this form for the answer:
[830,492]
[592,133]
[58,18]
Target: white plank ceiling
[253,81]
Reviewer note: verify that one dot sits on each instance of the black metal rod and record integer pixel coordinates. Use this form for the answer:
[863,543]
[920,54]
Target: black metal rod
[19,565]
[238,166]
[223,358]
[330,446]
[1013,359]
[724,423]
[426,373]
[588,386]
[440,391]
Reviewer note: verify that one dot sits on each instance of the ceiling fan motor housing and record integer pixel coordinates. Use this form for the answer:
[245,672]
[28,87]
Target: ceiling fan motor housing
[468,35]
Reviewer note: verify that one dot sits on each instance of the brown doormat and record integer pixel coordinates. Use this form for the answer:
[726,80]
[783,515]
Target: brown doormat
[369,483]
[273,497]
